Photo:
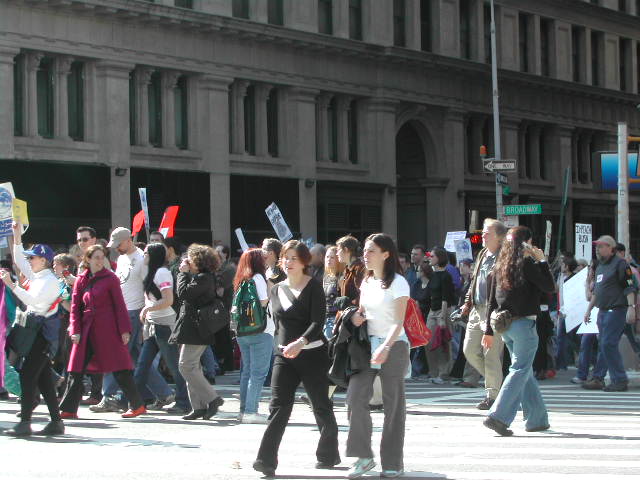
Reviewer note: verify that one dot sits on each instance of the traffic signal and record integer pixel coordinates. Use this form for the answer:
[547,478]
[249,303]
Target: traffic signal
[475,239]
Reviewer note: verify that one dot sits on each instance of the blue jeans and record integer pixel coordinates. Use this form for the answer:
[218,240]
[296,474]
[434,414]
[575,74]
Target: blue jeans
[209,363]
[159,343]
[256,359]
[520,387]
[156,385]
[587,356]
[611,324]
[328,326]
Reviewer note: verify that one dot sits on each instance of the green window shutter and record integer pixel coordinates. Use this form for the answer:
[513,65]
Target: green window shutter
[332,129]
[155,110]
[399,39]
[18,95]
[181,111]
[45,97]
[325,17]
[250,121]
[240,8]
[184,3]
[275,12]
[133,116]
[272,122]
[355,19]
[231,118]
[75,94]
[352,122]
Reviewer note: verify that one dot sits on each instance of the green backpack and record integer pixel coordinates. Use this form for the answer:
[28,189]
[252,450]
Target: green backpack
[248,317]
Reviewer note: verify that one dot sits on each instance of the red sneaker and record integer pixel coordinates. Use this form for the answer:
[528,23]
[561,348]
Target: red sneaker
[68,416]
[135,413]
[551,373]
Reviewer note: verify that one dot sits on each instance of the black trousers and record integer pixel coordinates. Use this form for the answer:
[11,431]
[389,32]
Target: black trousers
[310,367]
[36,375]
[75,387]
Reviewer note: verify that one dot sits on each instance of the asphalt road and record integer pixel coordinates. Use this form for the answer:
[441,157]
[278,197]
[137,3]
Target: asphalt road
[595,435]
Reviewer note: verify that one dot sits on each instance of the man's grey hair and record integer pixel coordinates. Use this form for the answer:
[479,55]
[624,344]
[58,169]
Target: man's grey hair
[499,228]
[319,249]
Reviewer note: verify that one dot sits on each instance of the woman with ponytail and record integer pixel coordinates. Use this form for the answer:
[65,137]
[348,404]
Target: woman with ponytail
[158,319]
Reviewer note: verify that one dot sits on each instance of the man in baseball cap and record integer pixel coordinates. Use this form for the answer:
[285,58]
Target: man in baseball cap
[606,240]
[119,235]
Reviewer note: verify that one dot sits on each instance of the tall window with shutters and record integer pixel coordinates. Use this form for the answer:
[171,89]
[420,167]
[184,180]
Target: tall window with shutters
[355,19]
[18,95]
[75,96]
[44,95]
[155,109]
[275,12]
[182,113]
[272,122]
[399,30]
[240,8]
[325,17]
[250,120]
[425,25]
[332,129]
[133,114]
[352,131]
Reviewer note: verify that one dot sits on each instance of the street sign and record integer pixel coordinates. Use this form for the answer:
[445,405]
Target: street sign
[491,165]
[535,209]
[501,179]
[511,221]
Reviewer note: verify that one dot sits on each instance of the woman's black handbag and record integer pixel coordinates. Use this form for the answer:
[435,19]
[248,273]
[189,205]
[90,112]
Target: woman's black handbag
[24,332]
[212,318]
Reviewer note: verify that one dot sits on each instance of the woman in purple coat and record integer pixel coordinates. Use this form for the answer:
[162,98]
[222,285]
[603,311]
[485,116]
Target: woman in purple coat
[100,330]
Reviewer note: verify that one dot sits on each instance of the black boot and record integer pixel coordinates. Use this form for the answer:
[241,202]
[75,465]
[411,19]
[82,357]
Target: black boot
[214,405]
[22,429]
[194,415]
[52,429]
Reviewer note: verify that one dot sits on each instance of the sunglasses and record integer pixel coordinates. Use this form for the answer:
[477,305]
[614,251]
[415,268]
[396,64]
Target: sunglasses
[84,239]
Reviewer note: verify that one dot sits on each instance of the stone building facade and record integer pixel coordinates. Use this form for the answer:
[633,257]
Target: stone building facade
[352,115]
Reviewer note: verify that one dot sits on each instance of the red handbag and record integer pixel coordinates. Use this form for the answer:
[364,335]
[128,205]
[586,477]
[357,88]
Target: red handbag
[414,325]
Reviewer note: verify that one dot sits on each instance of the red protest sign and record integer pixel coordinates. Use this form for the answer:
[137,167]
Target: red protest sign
[138,223]
[169,221]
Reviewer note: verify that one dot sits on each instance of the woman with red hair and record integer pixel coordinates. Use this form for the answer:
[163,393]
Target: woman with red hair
[256,345]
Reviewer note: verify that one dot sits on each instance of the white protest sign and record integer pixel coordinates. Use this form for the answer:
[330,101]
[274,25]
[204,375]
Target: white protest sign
[3,242]
[590,327]
[243,243]
[6,209]
[511,221]
[584,240]
[277,221]
[547,239]
[450,241]
[463,250]
[574,301]
[145,208]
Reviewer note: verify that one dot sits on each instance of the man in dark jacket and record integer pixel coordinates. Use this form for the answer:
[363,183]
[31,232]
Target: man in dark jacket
[486,361]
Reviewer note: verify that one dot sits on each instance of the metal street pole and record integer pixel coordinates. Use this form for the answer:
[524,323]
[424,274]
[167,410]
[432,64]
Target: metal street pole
[496,112]
[623,184]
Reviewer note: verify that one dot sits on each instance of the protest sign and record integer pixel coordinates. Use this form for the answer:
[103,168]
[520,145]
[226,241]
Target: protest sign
[243,243]
[463,250]
[6,209]
[138,223]
[547,239]
[168,221]
[574,301]
[277,221]
[145,208]
[590,327]
[20,212]
[584,238]
[450,241]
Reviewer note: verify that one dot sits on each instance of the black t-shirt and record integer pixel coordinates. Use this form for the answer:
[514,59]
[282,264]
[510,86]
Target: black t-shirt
[442,290]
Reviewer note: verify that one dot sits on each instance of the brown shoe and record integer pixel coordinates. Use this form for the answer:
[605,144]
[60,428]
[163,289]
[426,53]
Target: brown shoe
[466,385]
[485,404]
[593,384]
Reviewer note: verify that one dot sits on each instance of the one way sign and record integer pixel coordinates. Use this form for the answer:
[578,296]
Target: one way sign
[490,165]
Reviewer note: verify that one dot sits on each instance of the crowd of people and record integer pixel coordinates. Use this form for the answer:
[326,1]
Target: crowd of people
[113,324]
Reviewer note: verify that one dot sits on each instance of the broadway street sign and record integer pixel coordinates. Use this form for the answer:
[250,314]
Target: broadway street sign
[490,165]
[535,209]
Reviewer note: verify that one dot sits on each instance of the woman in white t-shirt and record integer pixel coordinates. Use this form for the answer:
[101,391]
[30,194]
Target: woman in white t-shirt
[383,301]
[256,349]
[158,319]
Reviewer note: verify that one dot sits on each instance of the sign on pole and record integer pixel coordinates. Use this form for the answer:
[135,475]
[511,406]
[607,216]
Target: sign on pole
[502,179]
[534,209]
[277,221]
[584,239]
[463,250]
[511,221]
[450,240]
[547,239]
[243,243]
[145,208]
[491,165]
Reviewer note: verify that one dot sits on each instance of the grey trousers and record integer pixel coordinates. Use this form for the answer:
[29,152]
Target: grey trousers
[487,362]
[359,392]
[201,393]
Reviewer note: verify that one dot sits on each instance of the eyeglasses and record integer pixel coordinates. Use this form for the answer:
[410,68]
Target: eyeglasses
[30,258]
[84,239]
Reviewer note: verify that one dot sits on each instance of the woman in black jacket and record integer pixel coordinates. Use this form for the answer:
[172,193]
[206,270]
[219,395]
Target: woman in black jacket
[298,307]
[196,288]
[521,277]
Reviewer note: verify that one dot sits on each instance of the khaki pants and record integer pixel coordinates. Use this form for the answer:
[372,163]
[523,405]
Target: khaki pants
[487,362]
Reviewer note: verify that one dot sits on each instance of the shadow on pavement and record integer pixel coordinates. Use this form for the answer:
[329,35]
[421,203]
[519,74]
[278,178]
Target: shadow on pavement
[591,436]
[445,414]
[406,476]
[171,421]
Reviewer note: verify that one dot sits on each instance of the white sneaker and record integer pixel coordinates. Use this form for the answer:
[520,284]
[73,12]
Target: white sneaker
[437,381]
[362,466]
[577,381]
[254,418]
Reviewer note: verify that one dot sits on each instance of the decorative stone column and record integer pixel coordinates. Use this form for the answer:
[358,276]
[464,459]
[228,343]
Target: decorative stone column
[322,133]
[142,79]
[61,108]
[412,24]
[262,132]
[238,92]
[342,104]
[32,63]
[341,18]
[169,81]
[7,104]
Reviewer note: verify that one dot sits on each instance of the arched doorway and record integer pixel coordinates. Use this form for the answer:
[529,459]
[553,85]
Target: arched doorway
[410,193]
